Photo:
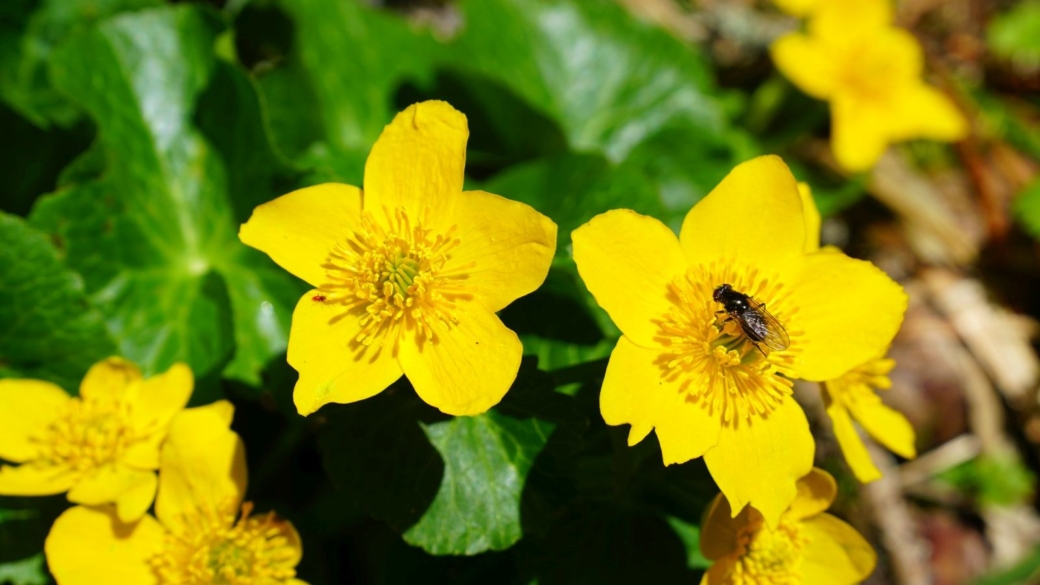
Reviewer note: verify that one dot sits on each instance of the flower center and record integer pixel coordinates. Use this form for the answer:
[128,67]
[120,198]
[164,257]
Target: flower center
[396,275]
[217,550]
[721,368]
[769,558]
[87,435]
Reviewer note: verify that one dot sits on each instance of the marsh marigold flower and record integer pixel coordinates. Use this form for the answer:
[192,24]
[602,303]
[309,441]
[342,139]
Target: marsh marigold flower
[101,446]
[870,72]
[797,7]
[408,275]
[683,370]
[201,532]
[852,396]
[808,547]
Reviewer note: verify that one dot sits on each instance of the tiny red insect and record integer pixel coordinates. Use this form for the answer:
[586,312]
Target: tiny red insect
[318,298]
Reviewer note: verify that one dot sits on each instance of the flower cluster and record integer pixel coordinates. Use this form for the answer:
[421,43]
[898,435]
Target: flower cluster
[870,73]
[104,447]
[407,277]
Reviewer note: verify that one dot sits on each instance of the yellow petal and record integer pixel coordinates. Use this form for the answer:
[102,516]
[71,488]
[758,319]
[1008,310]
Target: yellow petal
[848,312]
[816,491]
[418,162]
[753,217]
[859,133]
[925,112]
[797,7]
[887,425]
[835,554]
[89,546]
[27,408]
[203,467]
[636,392]
[808,63]
[720,528]
[298,230]
[627,261]
[161,397]
[509,245]
[719,573]
[35,479]
[108,380]
[466,370]
[812,218]
[324,350]
[846,21]
[852,447]
[131,490]
[759,463]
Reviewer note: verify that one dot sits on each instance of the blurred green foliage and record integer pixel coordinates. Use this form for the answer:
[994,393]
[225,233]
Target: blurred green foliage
[992,480]
[142,133]
[1015,34]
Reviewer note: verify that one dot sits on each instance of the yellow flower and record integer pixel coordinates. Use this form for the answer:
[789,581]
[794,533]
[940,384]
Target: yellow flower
[797,7]
[808,547]
[101,447]
[871,75]
[853,394]
[682,370]
[197,536]
[408,275]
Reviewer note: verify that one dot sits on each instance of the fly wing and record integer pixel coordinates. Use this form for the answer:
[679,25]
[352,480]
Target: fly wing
[774,336]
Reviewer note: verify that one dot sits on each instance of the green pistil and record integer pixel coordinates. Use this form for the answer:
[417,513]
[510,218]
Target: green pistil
[403,271]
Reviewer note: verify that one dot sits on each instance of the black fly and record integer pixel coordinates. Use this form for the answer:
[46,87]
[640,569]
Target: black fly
[754,320]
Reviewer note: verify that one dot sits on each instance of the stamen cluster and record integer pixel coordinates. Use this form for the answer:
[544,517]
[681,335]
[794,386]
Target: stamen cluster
[88,435]
[214,548]
[769,557]
[396,275]
[719,367]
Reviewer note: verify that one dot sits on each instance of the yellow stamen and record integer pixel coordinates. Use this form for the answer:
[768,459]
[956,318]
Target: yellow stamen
[396,275]
[88,434]
[214,549]
[768,558]
[720,368]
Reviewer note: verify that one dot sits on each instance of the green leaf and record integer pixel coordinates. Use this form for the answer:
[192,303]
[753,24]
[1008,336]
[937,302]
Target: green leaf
[31,157]
[351,59]
[1015,34]
[29,32]
[486,461]
[1027,208]
[664,161]
[149,215]
[690,534]
[50,331]
[610,80]
[25,572]
[574,188]
[377,456]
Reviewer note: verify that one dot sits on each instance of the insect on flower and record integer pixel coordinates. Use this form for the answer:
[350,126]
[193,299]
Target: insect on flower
[319,298]
[754,320]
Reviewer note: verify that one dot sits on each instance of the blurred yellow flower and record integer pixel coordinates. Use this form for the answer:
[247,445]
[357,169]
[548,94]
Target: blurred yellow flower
[797,7]
[699,381]
[870,73]
[813,221]
[852,396]
[101,446]
[808,546]
[200,535]
[408,275]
